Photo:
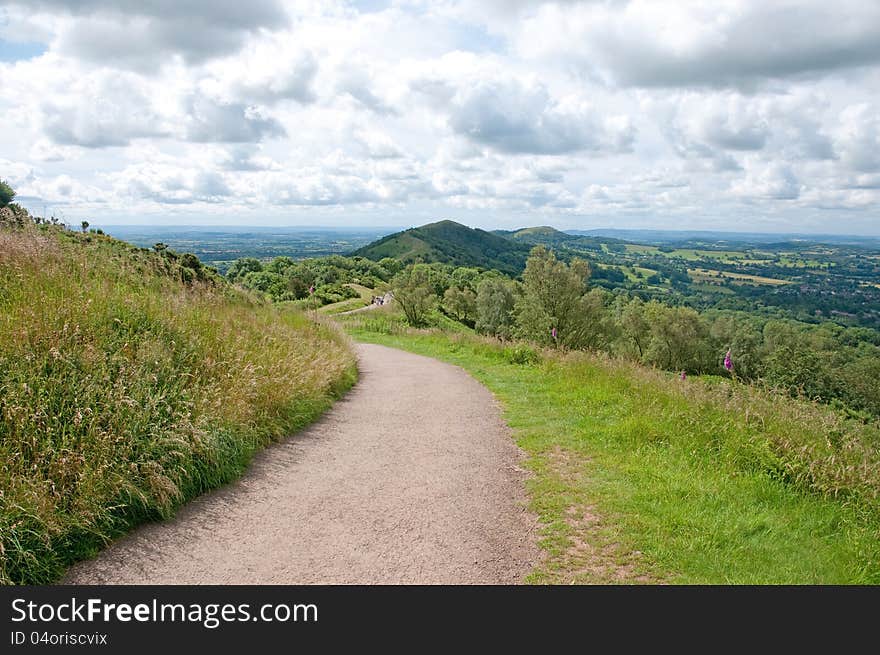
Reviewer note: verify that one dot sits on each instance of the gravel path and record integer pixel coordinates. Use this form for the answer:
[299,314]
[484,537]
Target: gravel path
[411,478]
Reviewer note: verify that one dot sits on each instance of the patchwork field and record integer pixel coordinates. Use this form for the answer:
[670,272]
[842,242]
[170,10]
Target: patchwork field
[706,275]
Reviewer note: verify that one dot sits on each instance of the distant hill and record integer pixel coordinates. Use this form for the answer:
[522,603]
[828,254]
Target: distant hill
[451,243]
[543,235]
[660,237]
[566,244]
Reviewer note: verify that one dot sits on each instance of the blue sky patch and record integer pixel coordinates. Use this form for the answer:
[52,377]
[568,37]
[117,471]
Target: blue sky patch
[14,51]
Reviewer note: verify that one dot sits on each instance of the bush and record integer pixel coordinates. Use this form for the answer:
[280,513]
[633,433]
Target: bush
[521,354]
[7,193]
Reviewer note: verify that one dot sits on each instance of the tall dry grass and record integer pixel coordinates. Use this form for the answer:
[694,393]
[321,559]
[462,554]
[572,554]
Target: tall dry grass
[125,392]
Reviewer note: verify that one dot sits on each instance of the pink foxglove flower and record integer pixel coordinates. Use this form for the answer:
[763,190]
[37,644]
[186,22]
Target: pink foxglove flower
[553,333]
[728,362]
[683,375]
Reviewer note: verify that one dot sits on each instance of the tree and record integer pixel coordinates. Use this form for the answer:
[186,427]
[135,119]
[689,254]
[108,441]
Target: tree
[280,264]
[496,307]
[189,260]
[465,277]
[7,193]
[743,337]
[413,291]
[793,364]
[555,297]
[297,286]
[242,266]
[461,303]
[679,339]
[84,225]
[634,327]
[270,283]
[393,266]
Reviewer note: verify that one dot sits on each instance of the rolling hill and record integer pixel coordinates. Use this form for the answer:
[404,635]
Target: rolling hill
[452,243]
[545,235]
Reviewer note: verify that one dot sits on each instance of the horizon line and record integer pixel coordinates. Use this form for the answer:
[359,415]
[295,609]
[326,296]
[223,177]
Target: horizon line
[398,228]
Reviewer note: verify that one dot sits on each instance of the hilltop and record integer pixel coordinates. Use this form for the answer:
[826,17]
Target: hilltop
[543,234]
[449,242]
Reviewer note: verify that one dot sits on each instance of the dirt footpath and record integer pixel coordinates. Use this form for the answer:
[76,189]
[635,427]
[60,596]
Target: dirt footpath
[411,478]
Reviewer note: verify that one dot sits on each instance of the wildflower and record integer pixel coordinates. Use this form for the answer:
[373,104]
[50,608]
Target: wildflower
[728,362]
[553,333]
[312,289]
[683,376]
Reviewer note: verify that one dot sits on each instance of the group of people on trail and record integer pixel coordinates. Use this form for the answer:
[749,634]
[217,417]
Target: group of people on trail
[378,300]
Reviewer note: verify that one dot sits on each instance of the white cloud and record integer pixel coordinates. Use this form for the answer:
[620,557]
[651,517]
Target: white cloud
[170,184]
[650,112]
[858,138]
[139,34]
[101,110]
[209,120]
[694,43]
[513,117]
[771,182]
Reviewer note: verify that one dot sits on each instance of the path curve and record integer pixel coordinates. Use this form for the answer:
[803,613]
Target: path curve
[411,478]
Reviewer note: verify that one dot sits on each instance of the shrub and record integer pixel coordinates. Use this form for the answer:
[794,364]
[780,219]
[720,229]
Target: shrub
[7,193]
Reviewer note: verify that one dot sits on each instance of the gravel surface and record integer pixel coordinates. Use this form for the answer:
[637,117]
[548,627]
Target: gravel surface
[411,478]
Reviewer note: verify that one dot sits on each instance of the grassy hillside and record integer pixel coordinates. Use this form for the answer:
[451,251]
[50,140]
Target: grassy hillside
[131,381]
[642,477]
[450,243]
[544,235]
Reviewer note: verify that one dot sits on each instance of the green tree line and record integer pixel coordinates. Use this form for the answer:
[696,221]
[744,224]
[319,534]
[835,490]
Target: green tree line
[554,305]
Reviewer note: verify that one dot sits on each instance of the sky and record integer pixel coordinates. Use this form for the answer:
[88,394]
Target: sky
[741,115]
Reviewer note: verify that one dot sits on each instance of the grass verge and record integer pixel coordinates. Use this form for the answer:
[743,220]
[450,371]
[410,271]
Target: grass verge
[642,477]
[125,391]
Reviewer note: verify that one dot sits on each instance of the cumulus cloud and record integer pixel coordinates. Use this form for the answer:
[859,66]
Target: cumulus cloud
[209,120]
[244,157]
[859,138]
[376,145]
[722,127]
[140,34]
[266,72]
[358,85]
[62,190]
[775,181]
[170,184]
[516,118]
[555,112]
[692,43]
[99,111]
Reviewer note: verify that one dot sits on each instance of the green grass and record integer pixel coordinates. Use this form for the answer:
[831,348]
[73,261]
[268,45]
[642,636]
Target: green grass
[125,392]
[693,254]
[640,477]
[703,274]
[637,273]
[342,306]
[364,298]
[638,248]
